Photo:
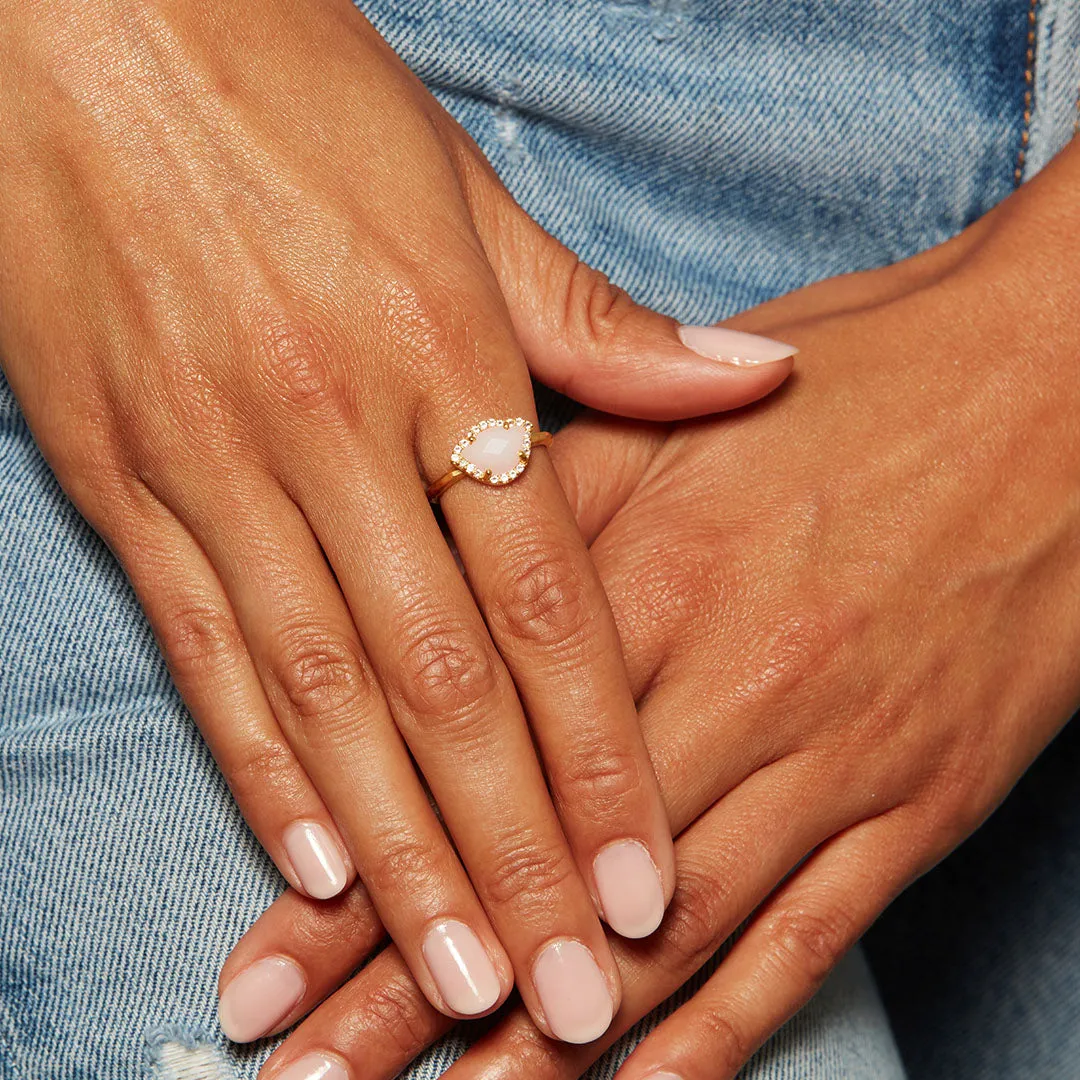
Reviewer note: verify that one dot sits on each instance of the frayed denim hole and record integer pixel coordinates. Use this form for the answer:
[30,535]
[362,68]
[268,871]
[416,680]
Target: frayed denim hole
[509,122]
[174,1052]
[665,19]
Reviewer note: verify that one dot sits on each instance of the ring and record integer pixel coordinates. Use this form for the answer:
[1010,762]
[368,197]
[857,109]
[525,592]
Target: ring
[495,452]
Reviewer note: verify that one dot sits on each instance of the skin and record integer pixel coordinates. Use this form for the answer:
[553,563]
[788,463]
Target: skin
[862,627]
[254,283]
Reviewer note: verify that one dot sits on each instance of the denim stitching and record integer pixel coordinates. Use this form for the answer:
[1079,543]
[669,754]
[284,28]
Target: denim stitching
[1029,81]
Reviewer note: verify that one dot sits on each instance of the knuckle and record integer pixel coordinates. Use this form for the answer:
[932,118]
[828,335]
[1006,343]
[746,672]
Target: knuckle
[600,781]
[293,360]
[544,600]
[447,671]
[426,320]
[526,869]
[198,639]
[404,864]
[265,765]
[321,675]
[802,645]
[809,943]
[595,309]
[729,1044]
[399,1012]
[322,928]
[698,918]
[532,1053]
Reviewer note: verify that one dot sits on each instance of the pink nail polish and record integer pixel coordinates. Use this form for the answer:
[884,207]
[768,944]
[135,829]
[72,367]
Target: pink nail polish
[631,894]
[314,1067]
[461,968]
[316,858]
[573,992]
[259,998]
[733,346]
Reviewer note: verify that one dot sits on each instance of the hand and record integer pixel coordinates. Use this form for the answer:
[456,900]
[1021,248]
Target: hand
[851,621]
[254,283]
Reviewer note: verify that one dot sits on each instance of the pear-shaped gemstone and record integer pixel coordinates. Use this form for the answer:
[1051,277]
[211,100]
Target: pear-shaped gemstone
[497,448]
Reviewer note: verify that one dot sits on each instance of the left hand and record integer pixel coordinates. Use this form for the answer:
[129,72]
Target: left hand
[852,619]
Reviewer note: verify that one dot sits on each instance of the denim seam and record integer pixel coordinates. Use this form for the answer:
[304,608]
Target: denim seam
[67,717]
[1029,83]
[1055,114]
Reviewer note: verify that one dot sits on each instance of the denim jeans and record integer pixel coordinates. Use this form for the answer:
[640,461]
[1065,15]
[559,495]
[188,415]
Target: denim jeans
[707,154]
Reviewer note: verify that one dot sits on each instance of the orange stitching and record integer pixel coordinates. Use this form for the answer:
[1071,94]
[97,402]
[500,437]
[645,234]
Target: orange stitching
[1029,82]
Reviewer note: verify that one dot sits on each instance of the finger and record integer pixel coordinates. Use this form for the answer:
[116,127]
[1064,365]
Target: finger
[586,338]
[207,656]
[546,608]
[456,705]
[729,861]
[324,941]
[371,1028]
[599,461]
[779,963]
[332,711]
[693,774]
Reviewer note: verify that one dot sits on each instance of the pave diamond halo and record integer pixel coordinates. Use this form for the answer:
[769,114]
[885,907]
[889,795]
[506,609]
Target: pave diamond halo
[494,451]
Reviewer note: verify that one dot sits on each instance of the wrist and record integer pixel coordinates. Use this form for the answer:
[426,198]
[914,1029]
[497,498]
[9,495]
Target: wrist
[1026,269]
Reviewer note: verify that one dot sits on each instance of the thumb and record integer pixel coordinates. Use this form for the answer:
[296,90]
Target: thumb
[590,341]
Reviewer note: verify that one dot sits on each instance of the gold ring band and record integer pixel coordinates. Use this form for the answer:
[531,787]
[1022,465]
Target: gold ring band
[493,452]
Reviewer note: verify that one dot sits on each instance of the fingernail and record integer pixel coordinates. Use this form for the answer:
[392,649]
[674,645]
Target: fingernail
[631,894]
[573,992]
[314,1067]
[733,346]
[316,858]
[662,1075]
[259,998]
[461,968]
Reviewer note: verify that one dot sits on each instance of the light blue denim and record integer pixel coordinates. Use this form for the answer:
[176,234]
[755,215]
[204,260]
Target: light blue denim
[707,154]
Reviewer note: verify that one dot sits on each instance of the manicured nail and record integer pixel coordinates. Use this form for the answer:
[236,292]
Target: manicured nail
[316,858]
[733,346]
[573,992]
[631,893]
[461,968]
[259,998]
[314,1067]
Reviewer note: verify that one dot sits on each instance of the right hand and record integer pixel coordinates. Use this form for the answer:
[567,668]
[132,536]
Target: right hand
[254,283]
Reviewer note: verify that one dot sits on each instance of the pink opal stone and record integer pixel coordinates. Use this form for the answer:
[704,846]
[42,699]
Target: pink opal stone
[496,449]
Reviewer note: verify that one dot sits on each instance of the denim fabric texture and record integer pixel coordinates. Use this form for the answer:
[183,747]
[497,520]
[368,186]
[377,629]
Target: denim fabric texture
[707,154]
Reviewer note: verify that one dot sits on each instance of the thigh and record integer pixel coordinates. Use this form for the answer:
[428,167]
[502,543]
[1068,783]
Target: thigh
[710,154]
[126,873]
[979,963]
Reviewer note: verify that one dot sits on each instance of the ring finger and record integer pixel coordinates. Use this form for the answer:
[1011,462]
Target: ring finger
[545,607]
